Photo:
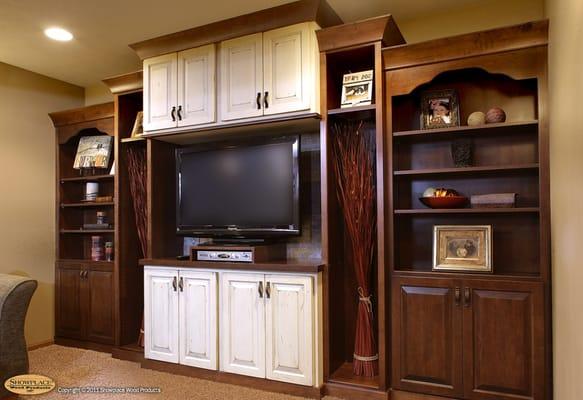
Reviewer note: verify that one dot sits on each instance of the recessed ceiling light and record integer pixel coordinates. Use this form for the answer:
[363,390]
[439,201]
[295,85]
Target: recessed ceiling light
[59,34]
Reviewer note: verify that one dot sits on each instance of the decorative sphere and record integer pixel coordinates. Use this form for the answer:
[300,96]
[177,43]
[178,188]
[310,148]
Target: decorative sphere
[477,118]
[429,192]
[495,115]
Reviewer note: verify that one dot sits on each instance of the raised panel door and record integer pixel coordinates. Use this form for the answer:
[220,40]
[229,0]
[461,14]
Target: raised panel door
[69,305]
[427,353]
[287,65]
[241,77]
[196,86]
[503,340]
[161,315]
[160,92]
[242,327]
[289,329]
[198,319]
[100,318]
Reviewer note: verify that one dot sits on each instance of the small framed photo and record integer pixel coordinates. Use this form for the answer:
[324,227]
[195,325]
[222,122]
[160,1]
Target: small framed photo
[357,89]
[439,109]
[138,128]
[466,248]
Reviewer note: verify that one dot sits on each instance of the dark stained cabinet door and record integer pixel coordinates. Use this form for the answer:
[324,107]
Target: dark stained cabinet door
[68,297]
[427,329]
[100,324]
[503,325]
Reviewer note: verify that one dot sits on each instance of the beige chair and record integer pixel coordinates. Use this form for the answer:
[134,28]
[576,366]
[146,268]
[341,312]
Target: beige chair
[15,295]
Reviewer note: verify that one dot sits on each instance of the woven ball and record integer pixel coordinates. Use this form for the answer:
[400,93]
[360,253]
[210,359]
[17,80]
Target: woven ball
[495,115]
[477,118]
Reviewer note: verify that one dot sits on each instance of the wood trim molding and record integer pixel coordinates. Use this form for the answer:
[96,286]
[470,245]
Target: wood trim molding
[82,114]
[400,395]
[510,38]
[378,29]
[354,392]
[41,345]
[125,83]
[260,21]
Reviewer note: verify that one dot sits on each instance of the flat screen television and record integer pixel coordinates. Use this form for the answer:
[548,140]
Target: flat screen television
[246,190]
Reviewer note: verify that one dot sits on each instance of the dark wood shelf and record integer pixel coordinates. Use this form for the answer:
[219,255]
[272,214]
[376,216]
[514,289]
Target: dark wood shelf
[133,139]
[83,261]
[86,231]
[518,210]
[88,178]
[344,375]
[88,205]
[413,272]
[357,112]
[467,170]
[517,127]
[280,266]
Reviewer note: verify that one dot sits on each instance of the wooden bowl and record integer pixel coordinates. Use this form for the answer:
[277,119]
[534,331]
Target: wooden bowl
[445,202]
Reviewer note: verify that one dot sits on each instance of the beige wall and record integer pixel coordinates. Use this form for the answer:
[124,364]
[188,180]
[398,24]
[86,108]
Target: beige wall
[27,160]
[479,16]
[97,94]
[566,84]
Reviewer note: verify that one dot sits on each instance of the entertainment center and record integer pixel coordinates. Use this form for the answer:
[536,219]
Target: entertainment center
[237,216]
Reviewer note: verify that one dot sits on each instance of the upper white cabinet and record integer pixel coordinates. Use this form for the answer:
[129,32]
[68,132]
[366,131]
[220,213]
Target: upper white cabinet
[160,92]
[241,77]
[269,73]
[180,89]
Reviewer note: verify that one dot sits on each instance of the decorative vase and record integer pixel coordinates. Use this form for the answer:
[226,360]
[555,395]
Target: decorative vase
[462,152]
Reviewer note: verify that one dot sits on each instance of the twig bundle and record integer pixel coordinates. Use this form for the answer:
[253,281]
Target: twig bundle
[356,192]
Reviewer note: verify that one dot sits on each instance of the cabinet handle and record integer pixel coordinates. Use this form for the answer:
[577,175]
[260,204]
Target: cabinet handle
[258,100]
[86,274]
[174,283]
[181,284]
[457,296]
[81,274]
[173,113]
[467,297]
[178,112]
[268,290]
[265,103]
[260,290]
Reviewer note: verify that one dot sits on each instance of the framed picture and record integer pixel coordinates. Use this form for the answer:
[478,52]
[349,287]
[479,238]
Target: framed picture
[465,248]
[439,109]
[138,128]
[93,152]
[357,89]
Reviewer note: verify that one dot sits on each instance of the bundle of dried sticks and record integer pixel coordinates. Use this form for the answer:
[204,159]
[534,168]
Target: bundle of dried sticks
[355,176]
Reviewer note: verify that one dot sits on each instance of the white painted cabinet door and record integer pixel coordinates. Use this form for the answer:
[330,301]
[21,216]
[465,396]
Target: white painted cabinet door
[196,86]
[160,92]
[198,319]
[289,329]
[242,329]
[161,315]
[241,77]
[287,67]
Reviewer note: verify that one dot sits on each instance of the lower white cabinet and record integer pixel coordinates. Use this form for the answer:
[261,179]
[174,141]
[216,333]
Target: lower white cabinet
[180,316]
[267,328]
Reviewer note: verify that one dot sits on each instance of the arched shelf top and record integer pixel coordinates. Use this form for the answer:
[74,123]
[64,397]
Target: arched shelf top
[73,137]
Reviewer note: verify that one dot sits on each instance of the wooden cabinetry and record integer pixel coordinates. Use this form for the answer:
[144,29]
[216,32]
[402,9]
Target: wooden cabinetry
[180,317]
[179,89]
[475,339]
[84,303]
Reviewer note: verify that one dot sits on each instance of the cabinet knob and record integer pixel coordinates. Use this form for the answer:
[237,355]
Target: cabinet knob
[268,290]
[265,102]
[173,113]
[260,289]
[178,112]
[181,284]
[457,296]
[174,283]
[258,100]
[467,296]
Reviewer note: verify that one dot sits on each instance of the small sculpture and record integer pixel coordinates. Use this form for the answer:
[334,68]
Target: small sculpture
[495,115]
[476,118]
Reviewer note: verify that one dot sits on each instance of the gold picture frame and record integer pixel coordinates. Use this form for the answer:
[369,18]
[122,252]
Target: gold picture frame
[463,248]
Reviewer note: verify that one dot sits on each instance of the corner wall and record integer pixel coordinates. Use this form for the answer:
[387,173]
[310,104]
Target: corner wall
[27,172]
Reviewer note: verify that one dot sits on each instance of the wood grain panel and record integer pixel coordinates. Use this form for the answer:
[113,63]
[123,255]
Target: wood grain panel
[101,323]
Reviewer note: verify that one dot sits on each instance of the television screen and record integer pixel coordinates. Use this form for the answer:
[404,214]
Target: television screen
[243,190]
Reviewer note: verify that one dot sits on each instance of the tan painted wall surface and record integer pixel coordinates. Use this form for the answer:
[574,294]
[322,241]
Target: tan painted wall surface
[566,84]
[27,159]
[97,94]
[477,17]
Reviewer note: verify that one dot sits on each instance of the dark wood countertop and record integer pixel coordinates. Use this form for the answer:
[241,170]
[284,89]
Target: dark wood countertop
[292,266]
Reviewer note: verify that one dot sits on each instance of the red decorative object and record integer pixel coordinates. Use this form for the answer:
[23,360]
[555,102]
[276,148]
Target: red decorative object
[495,115]
[355,176]
[445,201]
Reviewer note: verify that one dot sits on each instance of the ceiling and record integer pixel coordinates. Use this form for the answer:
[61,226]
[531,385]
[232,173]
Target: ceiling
[103,29]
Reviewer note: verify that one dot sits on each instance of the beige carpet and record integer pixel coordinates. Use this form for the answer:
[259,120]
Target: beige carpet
[71,368]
